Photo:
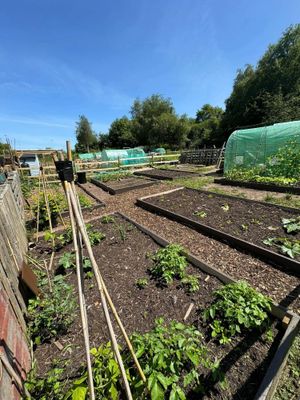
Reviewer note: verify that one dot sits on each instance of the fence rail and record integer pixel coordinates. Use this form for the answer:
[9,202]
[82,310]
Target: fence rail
[97,166]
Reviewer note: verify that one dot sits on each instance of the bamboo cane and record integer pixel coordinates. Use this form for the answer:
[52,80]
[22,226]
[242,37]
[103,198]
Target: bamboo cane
[82,305]
[87,243]
[114,311]
[38,210]
[119,322]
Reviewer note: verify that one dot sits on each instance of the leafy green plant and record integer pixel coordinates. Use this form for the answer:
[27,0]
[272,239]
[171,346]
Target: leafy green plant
[170,356]
[85,201]
[236,307]
[94,236]
[67,260]
[51,313]
[113,176]
[141,283]
[122,231]
[291,225]
[57,203]
[169,263]
[289,247]
[107,219]
[106,375]
[191,282]
[225,207]
[201,214]
[50,387]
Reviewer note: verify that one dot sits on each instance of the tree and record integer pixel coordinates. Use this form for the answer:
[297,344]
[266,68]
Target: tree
[103,140]
[205,130]
[84,134]
[270,92]
[121,133]
[155,123]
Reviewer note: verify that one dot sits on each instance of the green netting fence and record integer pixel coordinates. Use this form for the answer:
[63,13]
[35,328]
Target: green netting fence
[248,148]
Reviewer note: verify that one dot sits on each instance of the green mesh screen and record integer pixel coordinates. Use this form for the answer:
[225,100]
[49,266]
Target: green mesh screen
[247,148]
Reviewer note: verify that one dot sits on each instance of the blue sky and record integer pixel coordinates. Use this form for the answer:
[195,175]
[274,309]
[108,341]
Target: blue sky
[61,58]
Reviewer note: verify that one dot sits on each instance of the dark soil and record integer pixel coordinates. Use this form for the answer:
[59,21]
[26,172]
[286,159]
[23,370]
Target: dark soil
[249,221]
[122,262]
[123,185]
[167,174]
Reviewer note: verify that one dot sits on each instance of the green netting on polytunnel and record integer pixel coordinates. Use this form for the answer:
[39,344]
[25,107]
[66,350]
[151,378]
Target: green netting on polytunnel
[126,156]
[248,148]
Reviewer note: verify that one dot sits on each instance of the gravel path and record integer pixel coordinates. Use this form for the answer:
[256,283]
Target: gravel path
[281,287]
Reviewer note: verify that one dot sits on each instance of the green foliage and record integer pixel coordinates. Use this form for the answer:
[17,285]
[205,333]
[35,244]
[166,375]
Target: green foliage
[67,260]
[27,186]
[106,376]
[268,93]
[225,207]
[291,225]
[94,236]
[52,313]
[201,214]
[286,162]
[141,283]
[205,130]
[256,175]
[191,282]
[51,387]
[236,307]
[107,219]
[155,123]
[84,134]
[170,356]
[121,133]
[85,201]
[288,247]
[57,204]
[169,264]
[113,176]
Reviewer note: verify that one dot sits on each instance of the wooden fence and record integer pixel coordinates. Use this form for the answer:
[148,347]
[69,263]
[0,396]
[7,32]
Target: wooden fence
[201,156]
[14,349]
[13,241]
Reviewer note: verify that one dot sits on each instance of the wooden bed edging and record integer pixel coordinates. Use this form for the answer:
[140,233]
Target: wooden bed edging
[270,381]
[258,186]
[100,202]
[112,191]
[269,255]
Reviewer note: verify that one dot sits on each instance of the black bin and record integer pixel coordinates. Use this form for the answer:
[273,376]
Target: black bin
[81,177]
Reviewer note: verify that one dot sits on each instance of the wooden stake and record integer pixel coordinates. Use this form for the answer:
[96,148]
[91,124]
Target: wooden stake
[88,246]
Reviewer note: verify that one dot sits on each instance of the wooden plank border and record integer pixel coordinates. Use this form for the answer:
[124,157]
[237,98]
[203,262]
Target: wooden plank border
[258,186]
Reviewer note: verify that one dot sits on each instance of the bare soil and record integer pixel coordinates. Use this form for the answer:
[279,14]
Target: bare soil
[167,174]
[252,222]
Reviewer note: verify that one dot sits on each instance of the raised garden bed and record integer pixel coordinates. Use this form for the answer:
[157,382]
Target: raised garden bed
[242,223]
[251,364]
[98,201]
[122,185]
[259,186]
[166,174]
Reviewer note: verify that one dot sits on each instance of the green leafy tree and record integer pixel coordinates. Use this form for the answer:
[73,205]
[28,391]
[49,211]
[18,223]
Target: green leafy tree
[155,123]
[205,130]
[121,133]
[84,134]
[269,92]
